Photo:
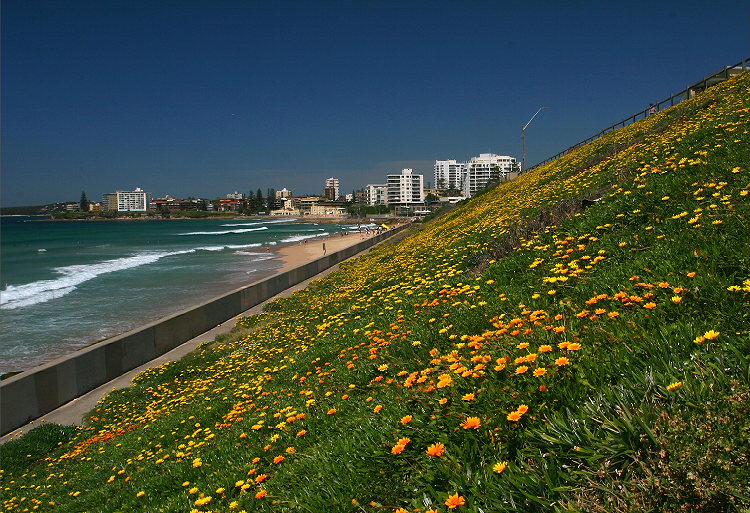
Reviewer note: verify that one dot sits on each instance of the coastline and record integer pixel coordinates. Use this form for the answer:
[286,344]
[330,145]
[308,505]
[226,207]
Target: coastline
[291,256]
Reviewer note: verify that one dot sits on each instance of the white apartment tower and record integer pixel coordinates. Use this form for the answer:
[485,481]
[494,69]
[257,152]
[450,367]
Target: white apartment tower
[485,169]
[376,194]
[449,174]
[331,190]
[405,189]
[127,201]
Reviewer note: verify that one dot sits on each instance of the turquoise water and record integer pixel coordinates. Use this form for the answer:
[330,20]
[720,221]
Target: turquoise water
[68,284]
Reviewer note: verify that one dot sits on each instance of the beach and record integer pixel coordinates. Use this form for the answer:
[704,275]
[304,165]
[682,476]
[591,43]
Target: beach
[294,255]
[68,285]
[291,256]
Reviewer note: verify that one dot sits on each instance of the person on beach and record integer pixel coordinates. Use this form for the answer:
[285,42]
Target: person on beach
[324,248]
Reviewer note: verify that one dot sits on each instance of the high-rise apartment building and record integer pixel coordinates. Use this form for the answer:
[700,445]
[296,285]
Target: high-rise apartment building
[331,190]
[449,174]
[485,169]
[127,201]
[405,189]
[376,194]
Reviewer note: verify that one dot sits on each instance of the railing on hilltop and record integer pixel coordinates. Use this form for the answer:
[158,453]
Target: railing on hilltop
[688,92]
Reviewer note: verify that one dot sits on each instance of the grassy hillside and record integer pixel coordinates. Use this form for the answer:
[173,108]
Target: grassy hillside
[517,354]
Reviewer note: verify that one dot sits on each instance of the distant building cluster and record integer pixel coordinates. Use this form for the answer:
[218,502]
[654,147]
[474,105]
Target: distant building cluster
[403,193]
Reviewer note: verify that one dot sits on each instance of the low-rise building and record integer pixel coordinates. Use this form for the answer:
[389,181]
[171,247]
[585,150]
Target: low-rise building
[324,209]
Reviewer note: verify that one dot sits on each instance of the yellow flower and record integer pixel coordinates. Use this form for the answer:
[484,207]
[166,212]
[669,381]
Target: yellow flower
[500,467]
[140,494]
[711,335]
[674,386]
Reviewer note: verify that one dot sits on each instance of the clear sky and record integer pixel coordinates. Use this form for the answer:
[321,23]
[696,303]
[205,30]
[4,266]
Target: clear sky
[205,97]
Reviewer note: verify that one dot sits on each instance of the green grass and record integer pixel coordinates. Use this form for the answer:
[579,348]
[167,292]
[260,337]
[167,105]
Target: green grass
[604,352]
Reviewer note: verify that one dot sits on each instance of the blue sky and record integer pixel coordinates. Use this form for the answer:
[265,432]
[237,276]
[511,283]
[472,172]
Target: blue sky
[205,97]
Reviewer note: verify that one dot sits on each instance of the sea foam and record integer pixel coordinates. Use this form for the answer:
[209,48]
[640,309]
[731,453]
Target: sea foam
[225,232]
[41,291]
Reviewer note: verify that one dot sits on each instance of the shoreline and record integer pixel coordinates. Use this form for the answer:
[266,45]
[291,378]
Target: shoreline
[287,256]
[291,256]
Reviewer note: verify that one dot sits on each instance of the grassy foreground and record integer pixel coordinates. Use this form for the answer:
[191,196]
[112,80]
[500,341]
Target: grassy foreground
[519,353]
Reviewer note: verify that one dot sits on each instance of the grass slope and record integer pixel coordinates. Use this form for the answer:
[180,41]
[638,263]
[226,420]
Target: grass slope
[516,354]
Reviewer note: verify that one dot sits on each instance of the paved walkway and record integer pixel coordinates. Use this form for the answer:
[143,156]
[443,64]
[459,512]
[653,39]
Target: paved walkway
[72,413]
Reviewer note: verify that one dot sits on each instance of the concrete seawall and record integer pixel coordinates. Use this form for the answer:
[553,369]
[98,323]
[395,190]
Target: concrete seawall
[33,393]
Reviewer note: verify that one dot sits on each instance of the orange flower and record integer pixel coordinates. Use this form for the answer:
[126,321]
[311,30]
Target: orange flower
[562,361]
[575,346]
[332,411]
[521,369]
[471,423]
[468,397]
[302,432]
[455,501]
[523,409]
[278,459]
[406,419]
[436,449]
[404,441]
[261,478]
[541,371]
[443,400]
[514,416]
[546,348]
[261,494]
[650,306]
[378,408]
[398,449]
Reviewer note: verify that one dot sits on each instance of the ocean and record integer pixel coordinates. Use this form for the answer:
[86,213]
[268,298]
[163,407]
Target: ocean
[65,285]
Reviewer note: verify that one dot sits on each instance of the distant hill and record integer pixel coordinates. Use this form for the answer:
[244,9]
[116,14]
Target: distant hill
[22,211]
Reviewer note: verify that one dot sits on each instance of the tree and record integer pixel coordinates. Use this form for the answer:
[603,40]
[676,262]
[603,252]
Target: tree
[84,203]
[271,198]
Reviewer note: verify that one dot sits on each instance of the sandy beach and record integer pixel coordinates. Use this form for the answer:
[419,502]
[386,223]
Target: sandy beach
[303,252]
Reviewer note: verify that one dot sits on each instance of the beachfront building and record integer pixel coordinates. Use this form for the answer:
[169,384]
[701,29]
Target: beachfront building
[449,174]
[332,189]
[325,209]
[284,193]
[236,196]
[170,204]
[376,194]
[404,189]
[127,201]
[485,169]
